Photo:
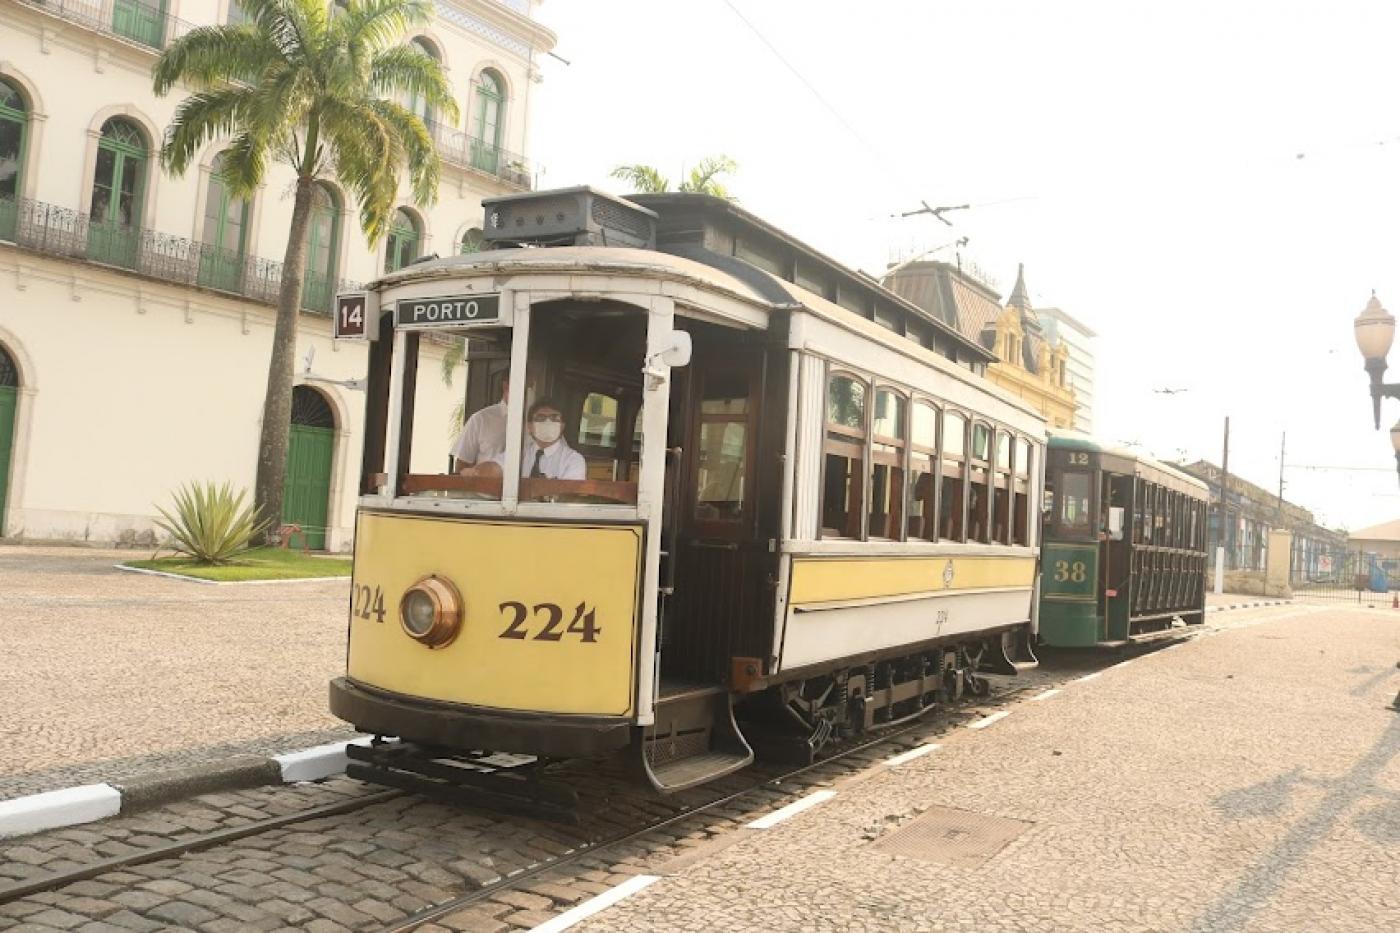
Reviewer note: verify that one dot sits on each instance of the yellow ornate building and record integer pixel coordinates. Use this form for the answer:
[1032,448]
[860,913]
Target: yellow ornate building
[1029,365]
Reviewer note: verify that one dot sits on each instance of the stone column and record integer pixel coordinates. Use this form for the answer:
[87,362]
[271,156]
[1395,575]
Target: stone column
[1276,576]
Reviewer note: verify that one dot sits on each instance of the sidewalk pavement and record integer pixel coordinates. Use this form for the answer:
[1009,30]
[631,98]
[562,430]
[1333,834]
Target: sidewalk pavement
[1248,780]
[108,674]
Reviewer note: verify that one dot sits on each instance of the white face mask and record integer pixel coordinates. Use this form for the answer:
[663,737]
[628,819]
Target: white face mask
[546,432]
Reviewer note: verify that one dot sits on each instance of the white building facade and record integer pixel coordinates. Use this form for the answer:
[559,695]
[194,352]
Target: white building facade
[136,308]
[1061,328]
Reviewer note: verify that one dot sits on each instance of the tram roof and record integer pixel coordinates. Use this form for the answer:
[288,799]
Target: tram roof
[1144,466]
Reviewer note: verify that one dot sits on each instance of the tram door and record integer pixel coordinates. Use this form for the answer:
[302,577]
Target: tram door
[719,568]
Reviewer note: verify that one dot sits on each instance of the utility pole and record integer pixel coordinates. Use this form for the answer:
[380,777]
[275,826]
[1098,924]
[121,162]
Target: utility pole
[1282,447]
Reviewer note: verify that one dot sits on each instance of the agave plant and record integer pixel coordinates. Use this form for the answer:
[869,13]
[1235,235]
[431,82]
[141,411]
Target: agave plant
[212,524]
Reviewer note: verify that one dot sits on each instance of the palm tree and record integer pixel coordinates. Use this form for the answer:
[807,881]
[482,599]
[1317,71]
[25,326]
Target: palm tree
[703,179]
[319,91]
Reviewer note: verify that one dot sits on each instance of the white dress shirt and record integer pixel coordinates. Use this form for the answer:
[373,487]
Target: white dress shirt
[560,461]
[484,436]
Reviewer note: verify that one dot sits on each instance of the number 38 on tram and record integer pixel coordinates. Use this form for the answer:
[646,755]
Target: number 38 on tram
[1124,554]
[789,495]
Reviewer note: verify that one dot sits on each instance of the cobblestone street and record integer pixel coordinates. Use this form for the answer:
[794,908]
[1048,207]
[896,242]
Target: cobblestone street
[1248,781]
[111,674]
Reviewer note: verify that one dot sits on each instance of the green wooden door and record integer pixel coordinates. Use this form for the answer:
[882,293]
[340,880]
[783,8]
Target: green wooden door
[141,22]
[9,402]
[308,489]
[306,496]
[225,223]
[114,233]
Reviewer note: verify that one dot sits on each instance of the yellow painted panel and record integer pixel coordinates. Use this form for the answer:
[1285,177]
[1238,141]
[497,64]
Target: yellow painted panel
[492,563]
[821,580]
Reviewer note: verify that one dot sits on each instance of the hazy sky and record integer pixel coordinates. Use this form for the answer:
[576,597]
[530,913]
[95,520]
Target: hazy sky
[1212,186]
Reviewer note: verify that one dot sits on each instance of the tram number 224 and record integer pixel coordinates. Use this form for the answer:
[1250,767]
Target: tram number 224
[1070,572]
[370,604]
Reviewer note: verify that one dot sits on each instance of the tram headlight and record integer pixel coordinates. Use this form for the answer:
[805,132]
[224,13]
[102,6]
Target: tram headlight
[431,612]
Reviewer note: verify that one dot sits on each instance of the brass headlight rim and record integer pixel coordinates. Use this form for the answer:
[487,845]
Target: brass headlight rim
[447,611]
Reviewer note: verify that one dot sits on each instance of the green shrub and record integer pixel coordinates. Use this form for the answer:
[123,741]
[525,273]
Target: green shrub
[211,523]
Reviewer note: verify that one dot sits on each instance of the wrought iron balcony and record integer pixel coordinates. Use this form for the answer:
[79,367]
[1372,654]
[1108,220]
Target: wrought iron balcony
[462,149]
[144,24]
[68,234]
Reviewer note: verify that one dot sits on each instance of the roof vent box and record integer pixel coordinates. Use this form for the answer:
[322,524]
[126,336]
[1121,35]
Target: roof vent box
[578,216]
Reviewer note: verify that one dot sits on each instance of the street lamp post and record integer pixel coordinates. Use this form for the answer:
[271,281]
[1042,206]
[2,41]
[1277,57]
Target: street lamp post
[1375,332]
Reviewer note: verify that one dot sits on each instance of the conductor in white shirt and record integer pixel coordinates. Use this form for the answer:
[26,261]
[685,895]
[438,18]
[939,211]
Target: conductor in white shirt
[545,454]
[484,435]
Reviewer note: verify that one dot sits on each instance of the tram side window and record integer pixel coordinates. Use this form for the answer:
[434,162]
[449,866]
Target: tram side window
[1001,497]
[1074,503]
[952,504]
[923,471]
[1020,505]
[979,483]
[887,465]
[723,447]
[844,449]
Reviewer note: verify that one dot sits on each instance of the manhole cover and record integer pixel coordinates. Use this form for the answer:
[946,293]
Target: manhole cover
[952,837]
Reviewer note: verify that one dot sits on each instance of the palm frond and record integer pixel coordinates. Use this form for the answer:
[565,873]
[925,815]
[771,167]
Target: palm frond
[379,24]
[213,55]
[704,177]
[366,154]
[200,118]
[424,167]
[643,178]
[404,69]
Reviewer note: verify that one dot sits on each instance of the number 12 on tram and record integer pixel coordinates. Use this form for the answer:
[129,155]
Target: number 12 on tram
[1124,551]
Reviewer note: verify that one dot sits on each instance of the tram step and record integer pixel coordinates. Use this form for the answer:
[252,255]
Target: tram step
[1014,654]
[694,740]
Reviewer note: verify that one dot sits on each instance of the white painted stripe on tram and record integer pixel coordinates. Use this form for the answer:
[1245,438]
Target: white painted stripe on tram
[1087,677]
[917,752]
[792,809]
[1053,691]
[986,721]
[596,905]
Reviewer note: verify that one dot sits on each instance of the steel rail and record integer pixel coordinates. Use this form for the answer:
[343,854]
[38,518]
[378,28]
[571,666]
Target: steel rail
[194,843]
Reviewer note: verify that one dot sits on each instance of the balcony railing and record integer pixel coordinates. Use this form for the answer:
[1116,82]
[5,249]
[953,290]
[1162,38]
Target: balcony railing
[134,21]
[460,148]
[58,231]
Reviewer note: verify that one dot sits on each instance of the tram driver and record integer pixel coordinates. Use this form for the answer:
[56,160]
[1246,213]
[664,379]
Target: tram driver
[545,454]
[484,435]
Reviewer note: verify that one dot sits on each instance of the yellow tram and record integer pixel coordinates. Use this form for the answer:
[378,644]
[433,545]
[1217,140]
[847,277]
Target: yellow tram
[795,510]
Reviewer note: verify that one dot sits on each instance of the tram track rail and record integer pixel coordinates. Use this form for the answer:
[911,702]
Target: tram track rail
[790,782]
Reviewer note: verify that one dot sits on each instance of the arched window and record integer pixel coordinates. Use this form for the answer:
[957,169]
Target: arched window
[415,102]
[487,121]
[843,492]
[14,120]
[1021,529]
[322,248]
[225,234]
[472,241]
[979,502]
[310,408]
[118,186]
[923,471]
[404,237]
[1001,489]
[9,372]
[952,509]
[887,464]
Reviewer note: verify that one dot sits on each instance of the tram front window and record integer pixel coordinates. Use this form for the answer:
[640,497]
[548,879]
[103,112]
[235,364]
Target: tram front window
[1072,498]
[578,420]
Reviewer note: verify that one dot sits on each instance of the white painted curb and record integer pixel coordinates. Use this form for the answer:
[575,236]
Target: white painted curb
[313,764]
[56,808]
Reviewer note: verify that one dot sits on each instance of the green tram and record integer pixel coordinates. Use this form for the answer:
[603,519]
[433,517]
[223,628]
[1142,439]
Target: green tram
[1124,545]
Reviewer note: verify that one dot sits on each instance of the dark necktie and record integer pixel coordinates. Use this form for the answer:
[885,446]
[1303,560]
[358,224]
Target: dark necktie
[535,470]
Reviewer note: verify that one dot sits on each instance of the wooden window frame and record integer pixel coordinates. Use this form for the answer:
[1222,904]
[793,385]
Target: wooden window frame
[857,442]
[963,474]
[935,472]
[902,458]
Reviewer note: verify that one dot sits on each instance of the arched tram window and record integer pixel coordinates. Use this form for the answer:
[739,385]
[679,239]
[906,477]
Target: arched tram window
[844,448]
[887,464]
[923,472]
